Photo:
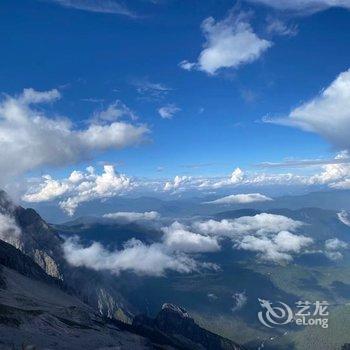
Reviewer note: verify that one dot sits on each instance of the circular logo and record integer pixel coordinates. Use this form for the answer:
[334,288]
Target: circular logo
[277,315]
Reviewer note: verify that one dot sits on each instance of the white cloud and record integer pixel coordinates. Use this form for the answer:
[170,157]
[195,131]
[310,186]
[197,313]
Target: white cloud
[151,90]
[9,230]
[105,6]
[32,139]
[133,216]
[271,236]
[304,6]
[241,199]
[80,187]
[343,216]
[332,247]
[187,65]
[334,175]
[115,111]
[240,299]
[276,26]
[168,111]
[335,244]
[230,43]
[178,183]
[236,177]
[328,114]
[341,158]
[212,296]
[137,257]
[277,248]
[179,238]
[31,96]
[49,189]
[331,255]
[259,224]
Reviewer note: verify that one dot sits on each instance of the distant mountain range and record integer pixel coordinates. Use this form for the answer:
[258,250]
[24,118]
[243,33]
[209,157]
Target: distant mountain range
[185,207]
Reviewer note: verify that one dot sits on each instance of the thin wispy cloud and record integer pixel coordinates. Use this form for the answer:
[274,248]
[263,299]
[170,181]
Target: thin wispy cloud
[133,216]
[303,7]
[168,111]
[279,27]
[99,6]
[150,90]
[304,163]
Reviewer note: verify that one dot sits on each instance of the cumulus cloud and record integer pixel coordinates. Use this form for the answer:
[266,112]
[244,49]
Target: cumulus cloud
[229,43]
[259,224]
[335,244]
[328,114]
[333,255]
[133,216]
[271,236]
[80,187]
[179,183]
[333,247]
[106,6]
[335,173]
[9,230]
[236,177]
[49,189]
[277,248]
[137,257]
[32,139]
[168,111]
[178,237]
[241,199]
[304,6]
[183,183]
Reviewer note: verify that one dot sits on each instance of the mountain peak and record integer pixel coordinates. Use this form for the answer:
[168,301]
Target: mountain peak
[173,325]
[182,313]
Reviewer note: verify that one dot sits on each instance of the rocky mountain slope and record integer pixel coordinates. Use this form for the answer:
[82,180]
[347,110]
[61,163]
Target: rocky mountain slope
[43,299]
[36,312]
[36,239]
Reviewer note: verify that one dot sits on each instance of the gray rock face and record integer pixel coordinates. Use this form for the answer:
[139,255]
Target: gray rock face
[34,237]
[35,313]
[174,324]
[40,242]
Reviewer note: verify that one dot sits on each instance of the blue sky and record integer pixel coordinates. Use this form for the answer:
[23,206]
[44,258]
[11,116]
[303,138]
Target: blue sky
[94,59]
